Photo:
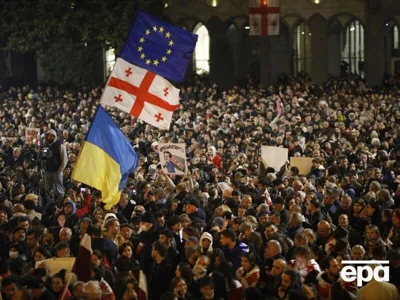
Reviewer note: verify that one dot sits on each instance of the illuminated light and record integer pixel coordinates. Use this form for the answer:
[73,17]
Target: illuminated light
[214,3]
[352,28]
[302,32]
[247,27]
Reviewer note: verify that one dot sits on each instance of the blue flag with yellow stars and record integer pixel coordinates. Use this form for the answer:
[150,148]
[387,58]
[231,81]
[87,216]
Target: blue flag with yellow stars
[159,47]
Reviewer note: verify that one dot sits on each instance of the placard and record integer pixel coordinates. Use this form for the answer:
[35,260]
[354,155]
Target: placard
[274,157]
[303,163]
[173,158]
[32,136]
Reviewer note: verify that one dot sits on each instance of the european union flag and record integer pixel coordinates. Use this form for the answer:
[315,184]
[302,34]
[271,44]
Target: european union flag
[159,47]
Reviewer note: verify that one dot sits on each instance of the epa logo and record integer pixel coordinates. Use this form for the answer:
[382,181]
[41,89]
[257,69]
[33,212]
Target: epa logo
[370,269]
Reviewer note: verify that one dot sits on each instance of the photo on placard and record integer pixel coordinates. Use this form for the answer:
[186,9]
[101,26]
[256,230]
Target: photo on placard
[173,158]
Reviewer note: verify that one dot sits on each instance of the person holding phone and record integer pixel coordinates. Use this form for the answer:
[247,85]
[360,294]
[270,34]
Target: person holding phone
[180,290]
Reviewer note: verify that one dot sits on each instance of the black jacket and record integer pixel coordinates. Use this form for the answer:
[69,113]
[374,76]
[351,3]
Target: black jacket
[160,279]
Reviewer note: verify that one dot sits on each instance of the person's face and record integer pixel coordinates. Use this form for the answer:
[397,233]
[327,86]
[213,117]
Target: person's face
[63,252]
[205,243]
[246,264]
[166,157]
[178,272]
[395,219]
[24,225]
[38,256]
[31,241]
[323,231]
[286,282]
[224,241]
[50,138]
[344,220]
[334,268]
[57,284]
[277,268]
[371,234]
[346,203]
[162,239]
[370,210]
[357,254]
[301,262]
[68,209]
[114,228]
[19,236]
[61,220]
[126,232]
[9,290]
[207,292]
[65,236]
[123,200]
[83,227]
[127,252]
[181,288]
[95,260]
[357,207]
[263,219]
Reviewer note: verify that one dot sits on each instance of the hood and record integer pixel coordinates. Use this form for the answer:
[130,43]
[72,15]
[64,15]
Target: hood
[208,236]
[214,151]
[52,132]
[73,206]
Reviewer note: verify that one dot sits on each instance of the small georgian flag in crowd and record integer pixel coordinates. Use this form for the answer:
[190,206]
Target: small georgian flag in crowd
[141,93]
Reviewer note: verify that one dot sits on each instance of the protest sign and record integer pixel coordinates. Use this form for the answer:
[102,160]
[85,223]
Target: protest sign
[32,136]
[173,158]
[274,157]
[303,163]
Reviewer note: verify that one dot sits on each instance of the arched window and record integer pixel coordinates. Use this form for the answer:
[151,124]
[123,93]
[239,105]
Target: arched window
[110,61]
[302,48]
[395,37]
[202,50]
[353,49]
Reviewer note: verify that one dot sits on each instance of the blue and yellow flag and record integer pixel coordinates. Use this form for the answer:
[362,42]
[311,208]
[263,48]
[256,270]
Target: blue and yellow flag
[106,158]
[159,47]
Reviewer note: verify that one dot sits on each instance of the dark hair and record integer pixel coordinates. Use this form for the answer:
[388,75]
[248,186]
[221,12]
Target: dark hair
[36,233]
[229,234]
[294,276]
[186,272]
[251,257]
[8,281]
[96,230]
[326,262]
[123,246]
[168,296]
[161,248]
[175,281]
[61,275]
[167,233]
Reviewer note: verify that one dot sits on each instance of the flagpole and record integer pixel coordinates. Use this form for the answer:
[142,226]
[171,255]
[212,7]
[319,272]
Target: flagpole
[66,286]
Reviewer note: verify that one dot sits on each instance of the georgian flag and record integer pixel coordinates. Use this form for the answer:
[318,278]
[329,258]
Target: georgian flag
[264,17]
[141,93]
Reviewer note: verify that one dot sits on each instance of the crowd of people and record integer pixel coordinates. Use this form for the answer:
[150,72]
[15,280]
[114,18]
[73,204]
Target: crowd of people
[232,227]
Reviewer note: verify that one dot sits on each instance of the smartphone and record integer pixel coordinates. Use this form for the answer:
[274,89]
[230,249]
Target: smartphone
[83,190]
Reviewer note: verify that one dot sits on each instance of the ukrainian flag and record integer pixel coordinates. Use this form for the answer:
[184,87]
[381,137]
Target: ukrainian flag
[106,158]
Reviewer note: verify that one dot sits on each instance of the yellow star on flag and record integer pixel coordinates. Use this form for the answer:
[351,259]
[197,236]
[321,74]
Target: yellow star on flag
[169,51]
[142,56]
[168,35]
[155,28]
[164,59]
[148,61]
[141,40]
[155,62]
[161,29]
[171,42]
[140,48]
[147,31]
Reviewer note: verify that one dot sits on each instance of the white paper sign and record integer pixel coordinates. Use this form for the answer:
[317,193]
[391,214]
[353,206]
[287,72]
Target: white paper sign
[173,158]
[274,157]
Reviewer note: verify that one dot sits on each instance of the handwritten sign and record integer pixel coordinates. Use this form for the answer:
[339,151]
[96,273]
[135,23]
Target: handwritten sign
[57,264]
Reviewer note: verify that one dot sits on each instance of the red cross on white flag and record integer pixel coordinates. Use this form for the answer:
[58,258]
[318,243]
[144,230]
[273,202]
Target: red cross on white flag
[143,94]
[264,17]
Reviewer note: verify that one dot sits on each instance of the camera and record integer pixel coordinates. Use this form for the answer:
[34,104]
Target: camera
[45,153]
